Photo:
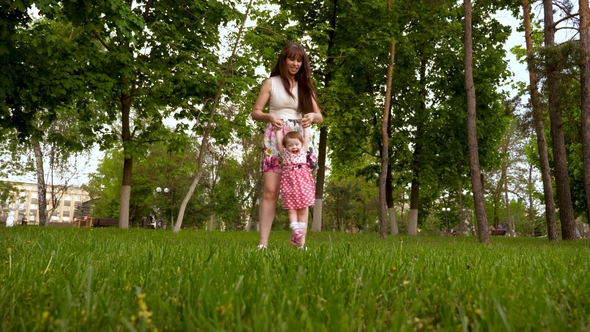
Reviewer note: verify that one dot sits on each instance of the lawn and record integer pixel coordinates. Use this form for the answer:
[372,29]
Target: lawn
[69,279]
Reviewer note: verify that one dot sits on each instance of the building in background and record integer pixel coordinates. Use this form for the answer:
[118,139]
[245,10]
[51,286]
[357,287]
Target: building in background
[25,204]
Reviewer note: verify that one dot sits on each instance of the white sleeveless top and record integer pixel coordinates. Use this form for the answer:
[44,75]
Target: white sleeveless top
[282,105]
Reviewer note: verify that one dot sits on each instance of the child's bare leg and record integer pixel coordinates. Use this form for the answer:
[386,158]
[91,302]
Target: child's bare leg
[302,215]
[296,226]
[293,215]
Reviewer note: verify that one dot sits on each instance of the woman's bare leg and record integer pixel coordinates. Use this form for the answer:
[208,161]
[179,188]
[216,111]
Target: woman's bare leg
[267,210]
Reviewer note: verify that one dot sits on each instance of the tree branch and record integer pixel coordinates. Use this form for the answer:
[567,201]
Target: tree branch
[565,18]
[568,122]
[100,40]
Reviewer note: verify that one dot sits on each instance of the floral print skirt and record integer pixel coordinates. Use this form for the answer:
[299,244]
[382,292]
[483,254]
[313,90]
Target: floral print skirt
[271,159]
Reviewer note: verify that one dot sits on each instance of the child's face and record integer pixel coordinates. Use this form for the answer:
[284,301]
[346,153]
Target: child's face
[293,145]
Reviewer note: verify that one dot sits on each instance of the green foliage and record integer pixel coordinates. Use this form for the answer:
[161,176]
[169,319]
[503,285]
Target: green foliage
[7,194]
[350,202]
[350,52]
[158,168]
[228,194]
[106,279]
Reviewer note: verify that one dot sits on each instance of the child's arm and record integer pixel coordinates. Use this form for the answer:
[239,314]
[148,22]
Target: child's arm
[306,137]
[279,137]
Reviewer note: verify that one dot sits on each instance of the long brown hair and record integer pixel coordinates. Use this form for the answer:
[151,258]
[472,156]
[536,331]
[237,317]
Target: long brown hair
[305,89]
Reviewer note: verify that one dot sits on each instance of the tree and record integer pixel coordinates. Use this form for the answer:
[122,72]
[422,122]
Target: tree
[160,167]
[585,87]
[209,122]
[43,105]
[385,169]
[351,204]
[147,58]
[562,182]
[476,184]
[539,128]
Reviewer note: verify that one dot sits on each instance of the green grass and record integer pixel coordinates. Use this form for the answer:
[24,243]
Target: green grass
[116,280]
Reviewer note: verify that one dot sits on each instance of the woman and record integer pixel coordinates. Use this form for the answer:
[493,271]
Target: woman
[293,106]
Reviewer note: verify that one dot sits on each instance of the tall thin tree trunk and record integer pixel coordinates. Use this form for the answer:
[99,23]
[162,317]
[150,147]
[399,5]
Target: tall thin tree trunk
[316,225]
[562,183]
[460,195]
[390,207]
[414,199]
[171,209]
[476,183]
[539,129]
[212,222]
[504,181]
[205,139]
[41,185]
[403,206]
[385,140]
[530,186]
[127,164]
[417,155]
[585,83]
[506,198]
[254,209]
[321,174]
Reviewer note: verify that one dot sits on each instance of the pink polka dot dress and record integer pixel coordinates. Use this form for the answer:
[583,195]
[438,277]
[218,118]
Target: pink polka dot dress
[297,188]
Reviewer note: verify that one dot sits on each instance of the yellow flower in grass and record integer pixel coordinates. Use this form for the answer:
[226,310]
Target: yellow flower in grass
[223,309]
[143,311]
[44,316]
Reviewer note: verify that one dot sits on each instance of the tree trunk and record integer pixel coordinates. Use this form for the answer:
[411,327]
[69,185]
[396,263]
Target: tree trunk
[41,185]
[321,174]
[508,219]
[254,208]
[211,222]
[461,219]
[390,207]
[418,145]
[585,83]
[171,209]
[539,130]
[496,202]
[127,164]
[414,198]
[316,225]
[476,183]
[530,186]
[403,206]
[385,141]
[205,139]
[562,183]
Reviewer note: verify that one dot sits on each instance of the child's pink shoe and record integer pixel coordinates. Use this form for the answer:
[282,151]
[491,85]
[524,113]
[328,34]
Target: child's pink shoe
[297,237]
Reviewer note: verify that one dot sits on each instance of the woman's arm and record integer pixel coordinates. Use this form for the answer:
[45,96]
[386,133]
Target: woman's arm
[312,117]
[258,110]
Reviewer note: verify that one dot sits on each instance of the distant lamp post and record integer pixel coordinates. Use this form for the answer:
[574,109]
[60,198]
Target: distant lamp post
[160,221]
[446,209]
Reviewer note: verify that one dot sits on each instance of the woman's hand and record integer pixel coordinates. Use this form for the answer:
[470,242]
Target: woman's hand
[276,122]
[307,120]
